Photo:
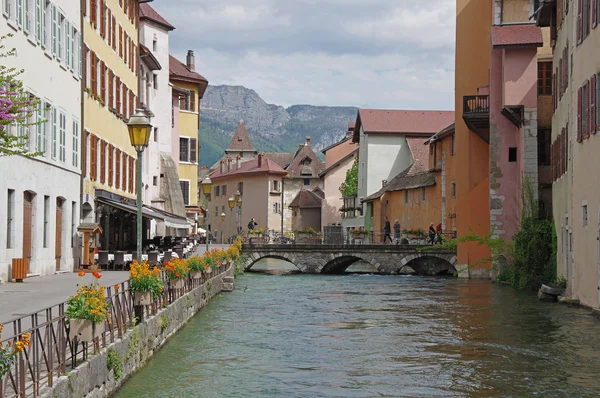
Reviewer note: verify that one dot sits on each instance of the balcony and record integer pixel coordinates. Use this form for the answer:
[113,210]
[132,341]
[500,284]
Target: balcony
[476,114]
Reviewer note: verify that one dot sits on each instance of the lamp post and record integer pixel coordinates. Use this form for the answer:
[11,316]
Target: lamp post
[222,219]
[139,133]
[239,204]
[231,203]
[238,220]
[283,199]
[206,185]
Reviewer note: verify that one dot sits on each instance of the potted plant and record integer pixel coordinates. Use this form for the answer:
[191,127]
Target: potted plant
[146,284]
[177,270]
[197,266]
[359,233]
[87,309]
[210,262]
[307,234]
[9,353]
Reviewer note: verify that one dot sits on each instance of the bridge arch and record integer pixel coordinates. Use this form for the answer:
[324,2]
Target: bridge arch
[340,264]
[256,257]
[432,264]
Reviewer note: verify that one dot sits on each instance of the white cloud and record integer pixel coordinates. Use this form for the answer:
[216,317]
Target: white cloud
[377,53]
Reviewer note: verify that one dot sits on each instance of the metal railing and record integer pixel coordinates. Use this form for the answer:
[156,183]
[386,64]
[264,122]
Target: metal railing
[475,104]
[53,352]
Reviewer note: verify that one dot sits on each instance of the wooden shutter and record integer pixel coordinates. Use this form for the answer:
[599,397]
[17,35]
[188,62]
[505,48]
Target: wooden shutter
[111,86]
[192,101]
[93,157]
[594,13]
[136,10]
[120,42]
[579,21]
[111,149]
[102,161]
[593,122]
[109,26]
[86,52]
[131,173]
[94,72]
[103,81]
[579,107]
[118,95]
[586,103]
[118,157]
[125,110]
[131,110]
[193,149]
[83,8]
[124,176]
[93,12]
[130,12]
[102,19]
[114,33]
[567,147]
[84,153]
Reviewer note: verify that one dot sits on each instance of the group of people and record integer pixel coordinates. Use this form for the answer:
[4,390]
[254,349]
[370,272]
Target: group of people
[435,234]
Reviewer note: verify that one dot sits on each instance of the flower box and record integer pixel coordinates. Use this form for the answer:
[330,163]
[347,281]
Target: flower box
[208,271]
[84,329]
[142,298]
[177,283]
[196,274]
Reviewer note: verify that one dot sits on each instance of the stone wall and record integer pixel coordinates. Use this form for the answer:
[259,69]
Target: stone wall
[93,378]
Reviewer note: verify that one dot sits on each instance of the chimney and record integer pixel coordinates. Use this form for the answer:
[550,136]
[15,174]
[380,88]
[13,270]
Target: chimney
[237,162]
[229,160]
[190,60]
[221,166]
[260,159]
[308,141]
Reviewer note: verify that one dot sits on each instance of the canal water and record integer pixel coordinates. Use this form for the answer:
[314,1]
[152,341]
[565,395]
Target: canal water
[280,334]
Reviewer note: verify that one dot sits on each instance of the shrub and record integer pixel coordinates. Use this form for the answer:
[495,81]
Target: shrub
[142,279]
[89,302]
[177,269]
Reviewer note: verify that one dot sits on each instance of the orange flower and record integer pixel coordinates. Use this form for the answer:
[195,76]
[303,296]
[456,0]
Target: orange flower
[96,275]
[81,273]
[116,287]
[178,275]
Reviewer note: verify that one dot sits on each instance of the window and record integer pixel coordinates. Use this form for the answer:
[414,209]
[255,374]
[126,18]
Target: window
[423,194]
[452,150]
[73,223]
[307,181]
[59,34]
[155,81]
[241,187]
[584,110]
[512,154]
[155,134]
[38,20]
[10,211]
[584,215]
[6,8]
[155,180]
[154,45]
[40,141]
[453,189]
[224,190]
[184,150]
[276,186]
[405,197]
[69,43]
[63,138]
[544,137]
[545,78]
[185,191]
[276,207]
[79,54]
[46,219]
[217,190]
[216,211]
[54,132]
[54,12]
[75,143]
[19,13]
[46,15]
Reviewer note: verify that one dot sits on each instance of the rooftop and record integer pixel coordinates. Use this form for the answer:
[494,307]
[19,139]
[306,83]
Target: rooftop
[266,166]
[517,36]
[149,13]
[180,71]
[307,200]
[407,122]
[240,141]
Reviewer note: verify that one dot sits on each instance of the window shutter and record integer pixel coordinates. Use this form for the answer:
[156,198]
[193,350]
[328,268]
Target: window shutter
[114,33]
[579,107]
[120,42]
[103,81]
[193,150]
[125,110]
[592,112]
[110,165]
[594,13]
[567,147]
[193,101]
[579,21]
[93,158]
[560,156]
[93,8]
[111,86]
[118,157]
[83,7]
[134,175]
[554,91]
[94,72]
[102,19]
[84,154]
[118,94]
[587,115]
[131,109]
[124,176]
[102,161]
[131,174]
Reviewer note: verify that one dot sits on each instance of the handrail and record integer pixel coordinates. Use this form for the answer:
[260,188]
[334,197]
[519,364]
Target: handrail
[476,104]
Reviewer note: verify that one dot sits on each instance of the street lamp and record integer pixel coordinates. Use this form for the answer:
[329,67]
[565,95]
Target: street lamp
[239,204]
[139,134]
[222,219]
[206,185]
[238,220]
[283,199]
[231,203]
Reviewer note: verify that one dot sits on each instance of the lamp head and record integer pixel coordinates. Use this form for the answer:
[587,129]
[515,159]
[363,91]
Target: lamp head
[206,185]
[237,195]
[239,203]
[139,129]
[223,216]
[231,202]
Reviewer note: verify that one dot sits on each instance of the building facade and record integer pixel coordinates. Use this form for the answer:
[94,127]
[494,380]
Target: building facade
[40,215]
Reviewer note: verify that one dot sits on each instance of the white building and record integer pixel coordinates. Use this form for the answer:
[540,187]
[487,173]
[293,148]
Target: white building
[40,197]
[161,188]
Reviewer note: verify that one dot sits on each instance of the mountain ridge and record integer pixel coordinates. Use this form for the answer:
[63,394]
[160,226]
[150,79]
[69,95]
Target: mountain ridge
[271,127]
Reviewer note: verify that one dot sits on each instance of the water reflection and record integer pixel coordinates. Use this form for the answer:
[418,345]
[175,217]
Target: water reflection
[373,335]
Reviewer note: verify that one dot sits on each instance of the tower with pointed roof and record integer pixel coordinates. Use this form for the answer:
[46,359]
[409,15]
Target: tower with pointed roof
[240,144]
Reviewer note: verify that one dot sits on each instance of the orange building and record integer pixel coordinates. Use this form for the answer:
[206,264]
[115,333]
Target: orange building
[472,69]
[442,162]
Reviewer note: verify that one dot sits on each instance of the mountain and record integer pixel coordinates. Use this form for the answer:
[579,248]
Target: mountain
[272,128]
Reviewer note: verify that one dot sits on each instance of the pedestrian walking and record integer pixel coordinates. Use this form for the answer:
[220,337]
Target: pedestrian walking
[388,231]
[397,231]
[252,224]
[438,234]
[431,233]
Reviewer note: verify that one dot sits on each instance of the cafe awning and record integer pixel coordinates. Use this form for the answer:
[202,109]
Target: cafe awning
[131,208]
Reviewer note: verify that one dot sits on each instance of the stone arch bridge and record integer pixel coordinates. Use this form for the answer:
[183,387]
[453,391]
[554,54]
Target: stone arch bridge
[333,259]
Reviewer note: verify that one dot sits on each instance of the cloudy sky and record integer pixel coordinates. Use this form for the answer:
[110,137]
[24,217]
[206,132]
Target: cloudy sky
[367,53]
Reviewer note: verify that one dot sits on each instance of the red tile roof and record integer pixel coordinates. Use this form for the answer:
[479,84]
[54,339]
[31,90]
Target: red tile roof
[250,167]
[149,13]
[507,36]
[240,141]
[283,159]
[179,71]
[300,168]
[401,121]
[420,155]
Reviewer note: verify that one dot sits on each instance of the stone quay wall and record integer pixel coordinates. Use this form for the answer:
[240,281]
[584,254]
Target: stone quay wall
[93,378]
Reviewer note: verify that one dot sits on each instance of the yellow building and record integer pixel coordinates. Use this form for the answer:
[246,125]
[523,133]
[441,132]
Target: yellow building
[188,90]
[110,65]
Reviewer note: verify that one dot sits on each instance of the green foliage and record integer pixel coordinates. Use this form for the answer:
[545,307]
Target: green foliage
[164,321]
[350,186]
[113,362]
[209,285]
[17,109]
[239,265]
[561,281]
[416,232]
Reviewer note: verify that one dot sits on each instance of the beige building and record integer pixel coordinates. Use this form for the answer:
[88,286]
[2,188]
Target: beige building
[575,143]
[339,158]
[259,183]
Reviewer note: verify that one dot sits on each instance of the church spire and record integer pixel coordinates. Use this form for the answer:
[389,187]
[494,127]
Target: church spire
[240,142]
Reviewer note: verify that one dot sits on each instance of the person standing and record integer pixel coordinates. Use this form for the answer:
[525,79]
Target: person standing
[252,224]
[388,231]
[438,233]
[431,233]
[397,231]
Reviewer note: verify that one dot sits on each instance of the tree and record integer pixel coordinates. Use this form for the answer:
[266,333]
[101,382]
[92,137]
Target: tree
[17,108]
[350,186]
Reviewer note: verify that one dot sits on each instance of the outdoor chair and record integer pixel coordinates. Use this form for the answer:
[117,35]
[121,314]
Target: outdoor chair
[103,259]
[153,258]
[179,251]
[119,260]
[168,256]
